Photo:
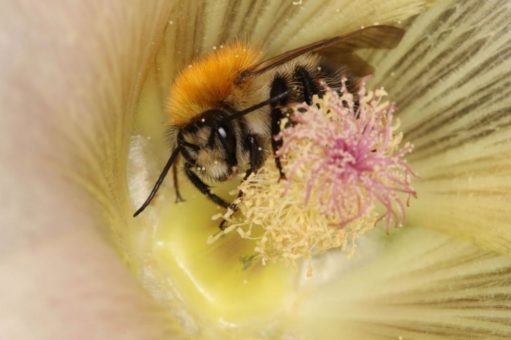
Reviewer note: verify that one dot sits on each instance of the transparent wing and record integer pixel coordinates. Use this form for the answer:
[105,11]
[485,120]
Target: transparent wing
[371,37]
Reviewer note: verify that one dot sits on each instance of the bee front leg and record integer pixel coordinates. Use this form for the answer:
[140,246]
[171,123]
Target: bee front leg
[203,187]
[254,146]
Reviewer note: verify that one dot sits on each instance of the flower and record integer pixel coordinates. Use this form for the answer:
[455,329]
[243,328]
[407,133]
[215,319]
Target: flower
[71,107]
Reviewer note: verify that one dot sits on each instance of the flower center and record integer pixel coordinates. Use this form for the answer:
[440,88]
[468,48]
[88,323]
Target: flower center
[348,157]
[343,162]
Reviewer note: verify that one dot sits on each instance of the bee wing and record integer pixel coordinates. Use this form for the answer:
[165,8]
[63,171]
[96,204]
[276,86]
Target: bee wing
[357,66]
[372,37]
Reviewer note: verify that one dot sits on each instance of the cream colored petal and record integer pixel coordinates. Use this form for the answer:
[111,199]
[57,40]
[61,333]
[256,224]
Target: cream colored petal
[420,285]
[282,25]
[451,78]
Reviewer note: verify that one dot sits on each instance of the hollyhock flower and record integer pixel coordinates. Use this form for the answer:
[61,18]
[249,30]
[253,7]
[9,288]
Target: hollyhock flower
[83,87]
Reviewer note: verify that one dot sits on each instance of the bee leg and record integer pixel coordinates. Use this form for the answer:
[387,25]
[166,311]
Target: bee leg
[278,86]
[179,198]
[276,117]
[203,187]
[309,89]
[254,146]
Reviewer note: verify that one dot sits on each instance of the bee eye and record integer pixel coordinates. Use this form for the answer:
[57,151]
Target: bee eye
[222,132]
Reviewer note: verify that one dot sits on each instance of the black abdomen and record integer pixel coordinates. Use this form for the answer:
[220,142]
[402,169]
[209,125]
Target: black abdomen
[308,80]
[301,85]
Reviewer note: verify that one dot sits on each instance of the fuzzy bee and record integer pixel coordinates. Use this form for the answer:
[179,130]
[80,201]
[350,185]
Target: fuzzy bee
[227,106]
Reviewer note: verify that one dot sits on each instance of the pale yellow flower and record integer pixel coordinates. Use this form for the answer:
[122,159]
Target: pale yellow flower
[83,88]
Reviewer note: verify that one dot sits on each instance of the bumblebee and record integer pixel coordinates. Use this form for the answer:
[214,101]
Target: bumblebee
[226,107]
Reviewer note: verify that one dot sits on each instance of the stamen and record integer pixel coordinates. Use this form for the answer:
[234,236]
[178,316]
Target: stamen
[345,172]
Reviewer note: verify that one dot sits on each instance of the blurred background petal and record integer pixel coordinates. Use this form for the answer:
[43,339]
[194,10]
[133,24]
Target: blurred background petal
[69,76]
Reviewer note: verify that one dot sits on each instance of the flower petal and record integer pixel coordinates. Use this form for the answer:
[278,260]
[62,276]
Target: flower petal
[451,78]
[422,284]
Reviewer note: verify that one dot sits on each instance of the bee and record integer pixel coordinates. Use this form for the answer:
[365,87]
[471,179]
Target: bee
[226,107]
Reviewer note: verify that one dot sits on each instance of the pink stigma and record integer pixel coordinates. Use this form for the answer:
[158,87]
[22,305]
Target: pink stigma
[347,152]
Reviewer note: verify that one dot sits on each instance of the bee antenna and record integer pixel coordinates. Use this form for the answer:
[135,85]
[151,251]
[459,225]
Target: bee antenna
[163,174]
[256,106]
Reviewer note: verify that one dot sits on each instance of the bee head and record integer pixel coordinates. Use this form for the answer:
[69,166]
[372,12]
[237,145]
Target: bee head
[209,145]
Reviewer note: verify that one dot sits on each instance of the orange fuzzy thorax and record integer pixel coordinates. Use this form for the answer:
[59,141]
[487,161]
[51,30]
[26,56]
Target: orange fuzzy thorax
[207,82]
